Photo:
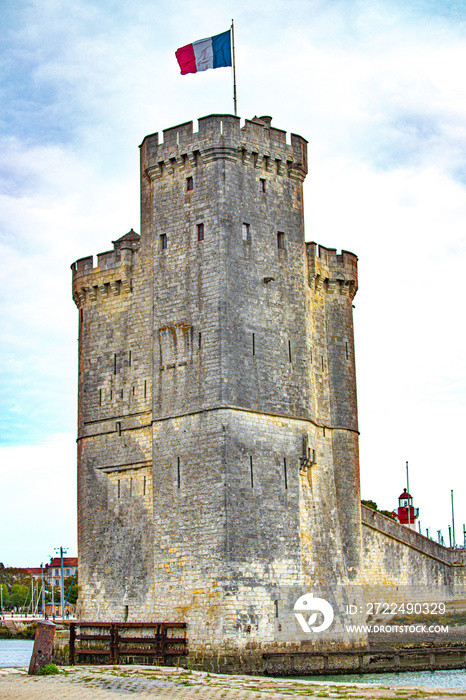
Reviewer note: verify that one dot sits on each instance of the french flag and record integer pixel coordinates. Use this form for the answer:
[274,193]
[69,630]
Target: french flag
[214,52]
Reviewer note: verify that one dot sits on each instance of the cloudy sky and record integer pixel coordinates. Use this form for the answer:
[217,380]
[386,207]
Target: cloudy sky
[378,89]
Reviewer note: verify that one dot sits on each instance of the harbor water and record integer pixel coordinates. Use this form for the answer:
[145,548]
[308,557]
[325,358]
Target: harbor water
[15,652]
[433,679]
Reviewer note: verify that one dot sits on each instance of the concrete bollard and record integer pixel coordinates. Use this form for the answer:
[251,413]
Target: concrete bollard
[43,646]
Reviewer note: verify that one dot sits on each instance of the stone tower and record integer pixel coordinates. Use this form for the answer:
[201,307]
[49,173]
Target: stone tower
[218,439]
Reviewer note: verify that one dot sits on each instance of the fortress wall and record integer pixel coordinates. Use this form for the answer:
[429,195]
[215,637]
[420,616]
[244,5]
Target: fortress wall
[264,330]
[405,563]
[240,292]
[411,537]
[115,359]
[238,538]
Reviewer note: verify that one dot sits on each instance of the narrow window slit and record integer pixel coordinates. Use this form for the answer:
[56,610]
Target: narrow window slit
[289,350]
[284,473]
[119,488]
[100,397]
[347,355]
[252,472]
[322,362]
[130,487]
[253,344]
[145,388]
[200,340]
[275,602]
[179,473]
[200,232]
[129,359]
[144,487]
[114,364]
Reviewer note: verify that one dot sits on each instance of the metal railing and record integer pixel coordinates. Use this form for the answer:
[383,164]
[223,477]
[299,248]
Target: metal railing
[111,639]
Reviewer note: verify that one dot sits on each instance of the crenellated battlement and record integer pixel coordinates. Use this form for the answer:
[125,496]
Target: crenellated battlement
[111,277]
[220,137]
[330,272]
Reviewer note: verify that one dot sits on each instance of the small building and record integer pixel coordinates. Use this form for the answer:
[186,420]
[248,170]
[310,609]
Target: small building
[406,515]
[35,572]
[70,566]
[50,609]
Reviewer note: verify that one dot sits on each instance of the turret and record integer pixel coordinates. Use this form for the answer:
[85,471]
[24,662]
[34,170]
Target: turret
[333,282]
[112,274]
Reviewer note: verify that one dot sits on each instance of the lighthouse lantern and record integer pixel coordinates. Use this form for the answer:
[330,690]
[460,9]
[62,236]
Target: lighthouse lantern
[407,515]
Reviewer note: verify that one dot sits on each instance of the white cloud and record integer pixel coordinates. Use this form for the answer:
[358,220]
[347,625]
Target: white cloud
[59,211]
[39,501]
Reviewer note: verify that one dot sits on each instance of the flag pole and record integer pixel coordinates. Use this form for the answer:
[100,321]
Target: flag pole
[233,65]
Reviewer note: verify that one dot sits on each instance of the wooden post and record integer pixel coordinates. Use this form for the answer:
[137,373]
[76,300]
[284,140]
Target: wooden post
[114,651]
[43,646]
[72,641]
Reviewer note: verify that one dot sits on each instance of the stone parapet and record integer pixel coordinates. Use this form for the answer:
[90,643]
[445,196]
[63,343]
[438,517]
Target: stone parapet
[330,272]
[391,528]
[220,137]
[111,277]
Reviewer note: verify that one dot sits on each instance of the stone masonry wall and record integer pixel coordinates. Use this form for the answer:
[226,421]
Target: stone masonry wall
[403,563]
[218,472]
[114,432]
[243,472]
[333,283]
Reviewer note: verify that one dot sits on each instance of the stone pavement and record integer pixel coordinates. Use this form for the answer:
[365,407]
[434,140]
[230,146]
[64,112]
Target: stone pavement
[158,683]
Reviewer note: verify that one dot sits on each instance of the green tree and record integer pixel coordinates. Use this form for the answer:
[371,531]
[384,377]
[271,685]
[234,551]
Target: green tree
[18,595]
[374,506]
[73,595]
[370,504]
[388,513]
[16,584]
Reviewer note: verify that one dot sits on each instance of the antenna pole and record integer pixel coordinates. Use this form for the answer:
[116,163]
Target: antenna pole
[62,585]
[453,519]
[407,489]
[233,66]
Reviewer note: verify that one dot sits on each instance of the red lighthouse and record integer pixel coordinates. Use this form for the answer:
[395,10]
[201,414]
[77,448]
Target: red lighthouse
[406,513]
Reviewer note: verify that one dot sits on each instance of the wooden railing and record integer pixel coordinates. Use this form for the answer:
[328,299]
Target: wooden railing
[109,639]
